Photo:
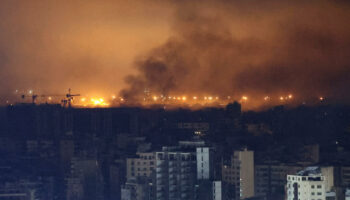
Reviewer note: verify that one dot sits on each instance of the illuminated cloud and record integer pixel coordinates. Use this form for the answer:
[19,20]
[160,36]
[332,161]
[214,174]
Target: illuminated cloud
[221,48]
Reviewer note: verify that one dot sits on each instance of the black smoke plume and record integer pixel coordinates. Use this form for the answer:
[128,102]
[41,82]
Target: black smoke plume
[251,47]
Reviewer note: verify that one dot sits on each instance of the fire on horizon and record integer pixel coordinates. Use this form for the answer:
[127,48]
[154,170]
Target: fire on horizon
[184,52]
[172,101]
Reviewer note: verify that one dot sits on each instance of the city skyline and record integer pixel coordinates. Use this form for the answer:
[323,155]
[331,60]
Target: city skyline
[174,100]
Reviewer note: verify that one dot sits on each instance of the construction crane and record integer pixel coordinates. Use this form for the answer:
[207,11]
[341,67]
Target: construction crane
[33,96]
[69,99]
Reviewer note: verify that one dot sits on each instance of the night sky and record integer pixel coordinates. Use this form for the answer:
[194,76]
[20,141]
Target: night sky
[225,47]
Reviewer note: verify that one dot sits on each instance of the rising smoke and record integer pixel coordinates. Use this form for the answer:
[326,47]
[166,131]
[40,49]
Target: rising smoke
[250,47]
[199,47]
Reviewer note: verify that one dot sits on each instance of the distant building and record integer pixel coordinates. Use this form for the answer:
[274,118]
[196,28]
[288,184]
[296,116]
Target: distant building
[331,196]
[347,194]
[258,128]
[195,126]
[239,172]
[85,181]
[175,174]
[345,176]
[75,189]
[117,172]
[205,163]
[334,182]
[192,144]
[307,184]
[137,189]
[234,110]
[126,193]
[328,173]
[217,190]
[143,165]
[66,148]
[337,180]
[209,190]
[270,179]
[25,189]
[311,153]
[12,195]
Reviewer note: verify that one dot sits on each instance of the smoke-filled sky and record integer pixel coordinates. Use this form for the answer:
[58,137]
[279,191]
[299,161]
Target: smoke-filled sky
[89,46]
[223,47]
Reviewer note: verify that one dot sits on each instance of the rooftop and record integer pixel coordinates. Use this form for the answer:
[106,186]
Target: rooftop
[310,171]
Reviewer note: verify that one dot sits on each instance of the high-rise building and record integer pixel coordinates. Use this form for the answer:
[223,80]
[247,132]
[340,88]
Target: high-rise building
[239,172]
[270,179]
[205,163]
[345,176]
[217,190]
[207,187]
[328,173]
[175,174]
[85,179]
[116,178]
[308,184]
[347,194]
[143,165]
[209,190]
[137,189]
[27,189]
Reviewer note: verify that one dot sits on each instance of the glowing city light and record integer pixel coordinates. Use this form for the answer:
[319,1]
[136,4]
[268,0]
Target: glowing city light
[98,102]
[167,99]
